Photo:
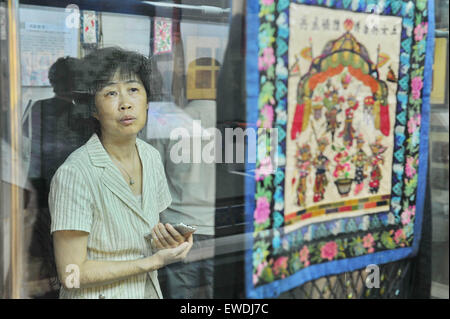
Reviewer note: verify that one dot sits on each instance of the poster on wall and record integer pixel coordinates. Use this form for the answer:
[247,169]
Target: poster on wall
[45,36]
[346,84]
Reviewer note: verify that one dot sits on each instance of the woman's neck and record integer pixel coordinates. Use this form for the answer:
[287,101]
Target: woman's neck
[122,149]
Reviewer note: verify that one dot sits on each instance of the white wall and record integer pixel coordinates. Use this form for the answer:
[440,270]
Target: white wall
[131,32]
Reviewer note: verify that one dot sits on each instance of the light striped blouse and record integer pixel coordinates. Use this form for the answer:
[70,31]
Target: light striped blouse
[88,193]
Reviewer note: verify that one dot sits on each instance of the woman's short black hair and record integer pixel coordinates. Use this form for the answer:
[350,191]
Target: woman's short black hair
[97,68]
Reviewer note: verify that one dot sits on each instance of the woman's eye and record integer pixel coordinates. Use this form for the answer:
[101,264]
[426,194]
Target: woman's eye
[111,93]
[134,90]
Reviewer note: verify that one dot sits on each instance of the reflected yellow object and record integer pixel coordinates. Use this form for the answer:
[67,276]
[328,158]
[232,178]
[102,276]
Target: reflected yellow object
[439,69]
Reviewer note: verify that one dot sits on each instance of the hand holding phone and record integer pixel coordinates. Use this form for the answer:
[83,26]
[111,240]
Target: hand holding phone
[184,229]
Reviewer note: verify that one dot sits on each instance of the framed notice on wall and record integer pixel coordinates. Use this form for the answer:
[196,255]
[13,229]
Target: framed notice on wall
[45,36]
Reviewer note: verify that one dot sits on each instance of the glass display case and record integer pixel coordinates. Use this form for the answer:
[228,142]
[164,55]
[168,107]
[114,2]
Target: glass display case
[198,50]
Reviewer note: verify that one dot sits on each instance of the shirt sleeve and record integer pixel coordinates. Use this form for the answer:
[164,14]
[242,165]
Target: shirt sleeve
[164,197]
[70,201]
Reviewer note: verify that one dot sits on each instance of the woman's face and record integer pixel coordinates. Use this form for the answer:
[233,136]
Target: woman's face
[121,107]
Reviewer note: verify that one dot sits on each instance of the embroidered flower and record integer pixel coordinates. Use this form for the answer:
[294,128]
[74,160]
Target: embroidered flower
[399,236]
[368,241]
[421,47]
[413,123]
[408,230]
[255,279]
[276,241]
[266,38]
[329,250]
[265,168]
[267,114]
[280,264]
[410,167]
[267,2]
[358,249]
[304,256]
[416,87]
[267,59]
[262,210]
[420,31]
[259,271]
[408,214]
[278,195]
[258,257]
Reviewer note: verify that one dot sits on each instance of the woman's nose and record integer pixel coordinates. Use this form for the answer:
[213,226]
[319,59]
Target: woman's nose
[125,106]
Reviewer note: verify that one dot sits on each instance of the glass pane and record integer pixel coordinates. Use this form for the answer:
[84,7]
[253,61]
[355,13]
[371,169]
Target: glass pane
[439,156]
[57,120]
[186,60]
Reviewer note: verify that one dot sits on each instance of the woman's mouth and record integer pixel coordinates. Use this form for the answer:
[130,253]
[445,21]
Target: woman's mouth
[127,120]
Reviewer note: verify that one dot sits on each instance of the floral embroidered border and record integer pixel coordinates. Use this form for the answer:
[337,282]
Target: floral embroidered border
[279,258]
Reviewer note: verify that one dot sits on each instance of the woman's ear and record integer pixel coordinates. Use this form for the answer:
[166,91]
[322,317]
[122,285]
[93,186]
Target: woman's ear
[95,115]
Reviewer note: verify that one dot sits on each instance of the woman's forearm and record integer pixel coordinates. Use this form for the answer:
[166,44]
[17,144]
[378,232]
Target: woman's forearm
[103,272]
[70,250]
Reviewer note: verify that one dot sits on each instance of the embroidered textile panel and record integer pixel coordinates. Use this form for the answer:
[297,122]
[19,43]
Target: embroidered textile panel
[89,28]
[162,36]
[345,85]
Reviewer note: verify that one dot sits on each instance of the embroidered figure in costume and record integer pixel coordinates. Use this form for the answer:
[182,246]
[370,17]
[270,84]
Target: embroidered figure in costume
[377,160]
[368,111]
[333,108]
[348,132]
[321,164]
[317,107]
[303,166]
[361,161]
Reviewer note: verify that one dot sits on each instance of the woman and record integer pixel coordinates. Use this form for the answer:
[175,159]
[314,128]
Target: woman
[106,198]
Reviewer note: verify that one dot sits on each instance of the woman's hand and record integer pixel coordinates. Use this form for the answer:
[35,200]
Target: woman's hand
[168,256]
[165,236]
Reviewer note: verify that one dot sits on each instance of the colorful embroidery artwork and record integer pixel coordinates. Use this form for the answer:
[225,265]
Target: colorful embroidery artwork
[89,28]
[162,36]
[347,86]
